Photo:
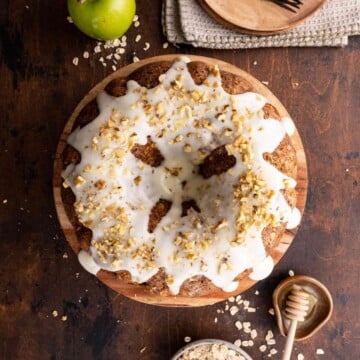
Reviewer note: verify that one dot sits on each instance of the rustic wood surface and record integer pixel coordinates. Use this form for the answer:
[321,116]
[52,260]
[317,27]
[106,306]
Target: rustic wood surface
[259,16]
[137,292]
[39,273]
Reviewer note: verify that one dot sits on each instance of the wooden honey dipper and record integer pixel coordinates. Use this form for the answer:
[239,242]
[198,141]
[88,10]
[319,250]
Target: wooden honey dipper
[297,307]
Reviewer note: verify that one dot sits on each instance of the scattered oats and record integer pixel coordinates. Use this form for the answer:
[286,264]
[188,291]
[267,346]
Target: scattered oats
[253,334]
[251,309]
[273,351]
[347,170]
[187,339]
[245,343]
[138,38]
[238,325]
[255,63]
[117,56]
[247,330]
[143,349]
[320,352]
[165,45]
[69,19]
[135,59]
[55,313]
[271,342]
[136,18]
[262,348]
[75,61]
[109,57]
[269,335]
[5,201]
[226,307]
[246,324]
[65,256]
[300,356]
[147,46]
[231,299]
[234,310]
[64,318]
[218,311]
[86,55]
[237,342]
[291,272]
[251,343]
[27,7]
[77,275]
[97,49]
[116,42]
[215,320]
[137,24]
[121,50]
[113,68]
[272,311]
[257,292]
[265,82]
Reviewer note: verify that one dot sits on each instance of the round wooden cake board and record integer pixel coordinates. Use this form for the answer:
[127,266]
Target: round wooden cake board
[258,17]
[137,292]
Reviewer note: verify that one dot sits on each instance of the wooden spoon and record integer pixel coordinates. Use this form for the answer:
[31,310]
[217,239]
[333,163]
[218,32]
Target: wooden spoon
[297,307]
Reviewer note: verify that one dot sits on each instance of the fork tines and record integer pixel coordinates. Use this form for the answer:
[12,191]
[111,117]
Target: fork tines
[291,5]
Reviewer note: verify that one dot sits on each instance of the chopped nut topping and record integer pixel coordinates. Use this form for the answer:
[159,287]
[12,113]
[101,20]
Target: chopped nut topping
[65,184]
[187,148]
[88,168]
[214,69]
[100,184]
[79,180]
[222,223]
[137,180]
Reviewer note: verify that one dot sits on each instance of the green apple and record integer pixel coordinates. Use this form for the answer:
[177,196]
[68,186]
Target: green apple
[102,19]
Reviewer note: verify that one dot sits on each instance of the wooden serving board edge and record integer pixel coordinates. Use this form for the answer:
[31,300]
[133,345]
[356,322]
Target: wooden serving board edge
[137,292]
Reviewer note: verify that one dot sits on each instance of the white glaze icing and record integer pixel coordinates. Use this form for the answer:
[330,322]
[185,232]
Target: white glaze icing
[294,219]
[262,269]
[104,179]
[87,262]
[288,125]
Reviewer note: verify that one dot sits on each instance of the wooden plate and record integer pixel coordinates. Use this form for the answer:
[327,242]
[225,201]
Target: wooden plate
[258,17]
[137,292]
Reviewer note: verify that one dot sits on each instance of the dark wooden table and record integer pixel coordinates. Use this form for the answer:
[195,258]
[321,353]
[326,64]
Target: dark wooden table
[39,88]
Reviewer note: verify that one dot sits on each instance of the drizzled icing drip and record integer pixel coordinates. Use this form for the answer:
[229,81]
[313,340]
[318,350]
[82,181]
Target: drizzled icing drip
[115,191]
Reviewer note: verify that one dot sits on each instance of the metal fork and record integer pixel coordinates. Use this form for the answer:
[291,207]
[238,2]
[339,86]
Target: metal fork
[291,5]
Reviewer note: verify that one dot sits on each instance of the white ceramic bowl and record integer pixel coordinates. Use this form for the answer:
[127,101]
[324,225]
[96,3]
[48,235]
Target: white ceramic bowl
[210,342]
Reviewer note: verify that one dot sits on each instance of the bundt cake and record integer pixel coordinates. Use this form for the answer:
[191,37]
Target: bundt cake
[180,178]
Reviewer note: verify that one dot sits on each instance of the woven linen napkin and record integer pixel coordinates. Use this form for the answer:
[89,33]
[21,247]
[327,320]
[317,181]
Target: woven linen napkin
[184,21]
